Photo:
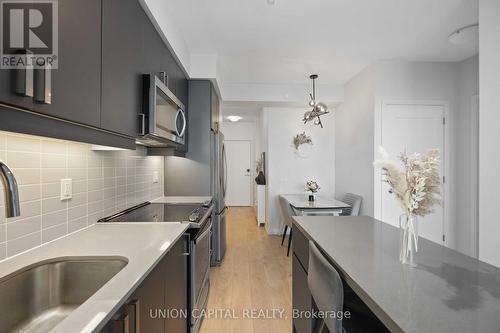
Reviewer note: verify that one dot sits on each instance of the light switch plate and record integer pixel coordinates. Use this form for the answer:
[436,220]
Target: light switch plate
[156,177]
[66,189]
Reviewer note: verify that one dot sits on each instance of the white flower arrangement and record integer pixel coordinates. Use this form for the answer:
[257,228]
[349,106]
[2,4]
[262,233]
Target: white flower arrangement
[311,186]
[415,181]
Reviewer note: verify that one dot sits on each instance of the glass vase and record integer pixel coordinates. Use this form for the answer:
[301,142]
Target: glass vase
[408,245]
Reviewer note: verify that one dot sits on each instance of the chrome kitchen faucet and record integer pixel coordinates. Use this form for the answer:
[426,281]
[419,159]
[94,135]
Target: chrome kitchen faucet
[12,208]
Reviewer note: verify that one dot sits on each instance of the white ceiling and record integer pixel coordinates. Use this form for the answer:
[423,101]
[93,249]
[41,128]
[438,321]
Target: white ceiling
[258,43]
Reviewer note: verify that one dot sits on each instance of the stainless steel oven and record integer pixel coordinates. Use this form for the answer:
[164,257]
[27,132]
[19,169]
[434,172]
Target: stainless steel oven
[163,121]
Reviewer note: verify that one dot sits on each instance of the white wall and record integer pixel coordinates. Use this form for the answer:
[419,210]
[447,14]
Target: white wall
[489,134]
[287,93]
[287,171]
[358,132]
[354,140]
[465,162]
[422,82]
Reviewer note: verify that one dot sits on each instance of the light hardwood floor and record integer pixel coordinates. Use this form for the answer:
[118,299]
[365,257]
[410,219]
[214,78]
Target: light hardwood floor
[256,275]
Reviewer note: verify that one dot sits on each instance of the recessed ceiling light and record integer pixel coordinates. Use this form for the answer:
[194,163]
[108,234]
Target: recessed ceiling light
[464,35]
[234,118]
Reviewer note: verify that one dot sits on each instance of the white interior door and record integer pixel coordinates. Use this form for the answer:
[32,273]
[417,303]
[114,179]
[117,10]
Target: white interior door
[239,173]
[414,129]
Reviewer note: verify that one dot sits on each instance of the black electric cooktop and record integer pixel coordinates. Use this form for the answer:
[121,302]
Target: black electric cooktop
[159,212]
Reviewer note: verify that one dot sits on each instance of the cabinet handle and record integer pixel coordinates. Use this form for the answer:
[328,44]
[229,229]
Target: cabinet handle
[164,78]
[24,78]
[187,237]
[134,309]
[143,124]
[43,85]
[121,323]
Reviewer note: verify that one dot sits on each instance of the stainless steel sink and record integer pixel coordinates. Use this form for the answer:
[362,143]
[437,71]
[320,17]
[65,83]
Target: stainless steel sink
[36,298]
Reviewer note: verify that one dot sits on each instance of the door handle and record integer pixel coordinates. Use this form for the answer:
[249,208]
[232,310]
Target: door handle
[133,309]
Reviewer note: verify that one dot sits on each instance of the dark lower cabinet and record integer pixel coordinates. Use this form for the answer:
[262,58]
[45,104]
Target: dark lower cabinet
[176,287]
[151,297]
[156,306]
[301,298]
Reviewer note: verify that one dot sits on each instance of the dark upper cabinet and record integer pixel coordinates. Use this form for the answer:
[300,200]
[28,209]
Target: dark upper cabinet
[215,111]
[199,122]
[105,46]
[123,60]
[158,59]
[131,47]
[182,88]
[75,84]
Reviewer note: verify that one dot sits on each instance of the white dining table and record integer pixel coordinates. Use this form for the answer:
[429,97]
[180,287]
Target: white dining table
[322,205]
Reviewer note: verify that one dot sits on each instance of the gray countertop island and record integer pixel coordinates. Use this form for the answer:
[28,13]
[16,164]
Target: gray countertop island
[446,292]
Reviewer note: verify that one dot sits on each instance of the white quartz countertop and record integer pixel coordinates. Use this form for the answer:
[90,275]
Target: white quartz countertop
[143,245]
[181,199]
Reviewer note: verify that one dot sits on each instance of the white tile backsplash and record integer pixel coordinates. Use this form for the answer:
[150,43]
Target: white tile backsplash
[24,243]
[104,182]
[27,176]
[16,159]
[54,232]
[19,142]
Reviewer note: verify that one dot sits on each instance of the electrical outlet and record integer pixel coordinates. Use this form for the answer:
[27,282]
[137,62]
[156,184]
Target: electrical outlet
[66,189]
[156,177]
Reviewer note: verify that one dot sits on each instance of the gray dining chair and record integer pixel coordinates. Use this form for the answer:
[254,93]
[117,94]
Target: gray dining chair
[286,212]
[326,289]
[354,201]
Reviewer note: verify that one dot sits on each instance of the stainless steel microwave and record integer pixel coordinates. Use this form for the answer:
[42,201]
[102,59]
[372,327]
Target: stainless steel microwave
[163,121]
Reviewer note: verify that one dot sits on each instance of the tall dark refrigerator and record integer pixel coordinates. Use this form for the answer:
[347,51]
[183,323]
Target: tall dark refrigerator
[202,171]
